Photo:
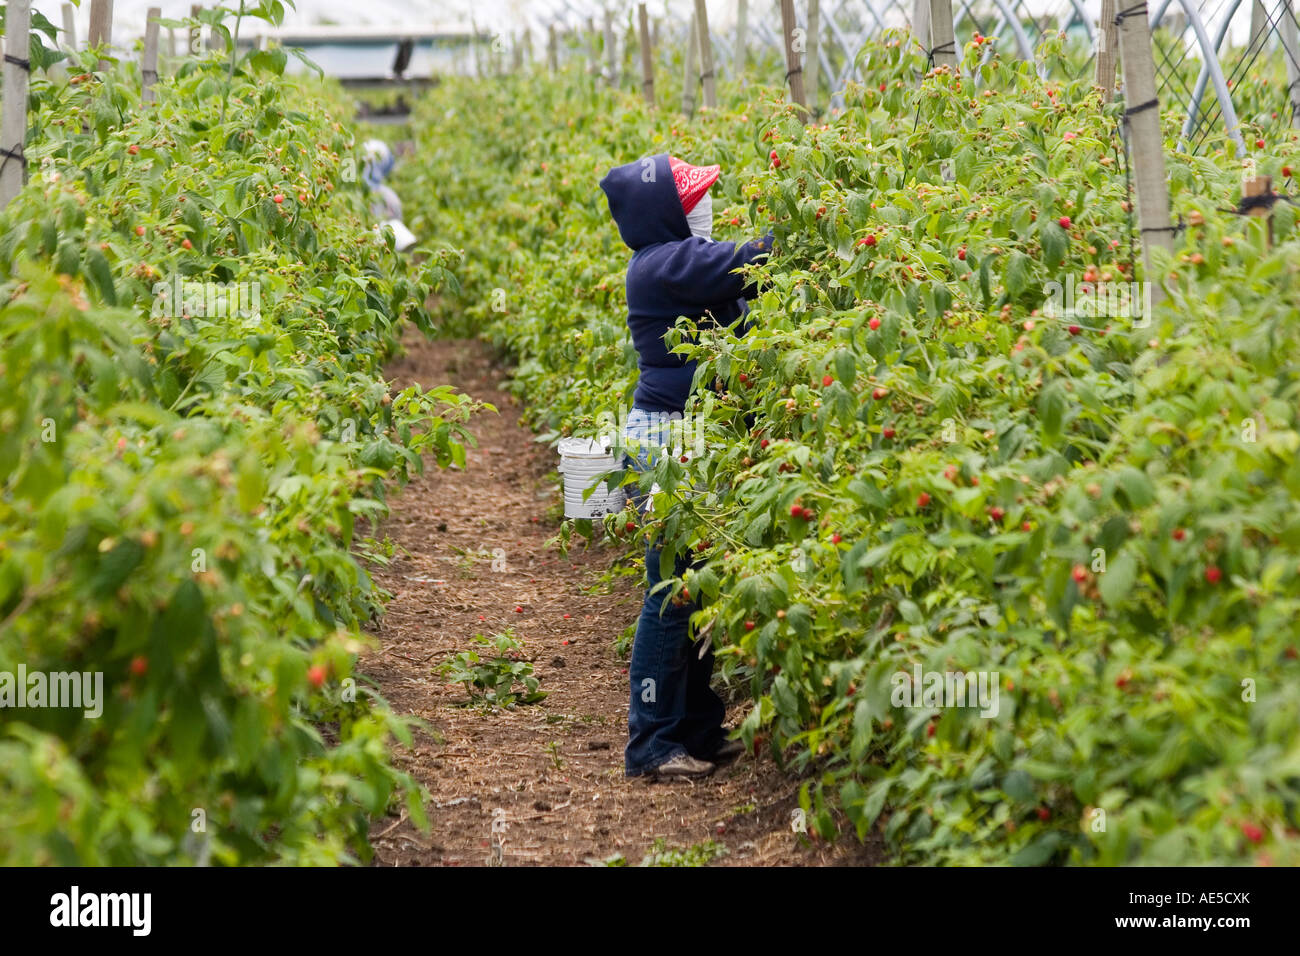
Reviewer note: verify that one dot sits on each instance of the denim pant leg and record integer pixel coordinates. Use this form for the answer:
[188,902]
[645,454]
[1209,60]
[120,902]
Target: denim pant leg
[672,708]
[658,673]
[705,710]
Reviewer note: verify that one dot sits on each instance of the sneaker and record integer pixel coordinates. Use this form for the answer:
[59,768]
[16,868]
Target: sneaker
[727,751]
[682,767]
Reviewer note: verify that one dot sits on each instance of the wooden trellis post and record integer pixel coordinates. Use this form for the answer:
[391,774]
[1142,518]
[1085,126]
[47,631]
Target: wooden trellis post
[810,54]
[1260,186]
[593,61]
[706,54]
[1146,145]
[631,47]
[611,51]
[101,27]
[552,50]
[943,44]
[196,36]
[793,68]
[67,42]
[1107,47]
[921,23]
[149,65]
[647,59]
[1258,22]
[689,79]
[69,27]
[742,35]
[1292,48]
[13,125]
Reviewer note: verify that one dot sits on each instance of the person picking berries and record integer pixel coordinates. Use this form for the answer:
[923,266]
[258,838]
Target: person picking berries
[664,214]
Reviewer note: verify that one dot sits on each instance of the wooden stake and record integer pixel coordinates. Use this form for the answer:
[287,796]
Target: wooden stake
[196,35]
[631,47]
[171,42]
[689,79]
[1146,144]
[647,58]
[943,45]
[611,51]
[101,27]
[1289,43]
[1260,186]
[921,23]
[793,68]
[149,65]
[593,62]
[1258,22]
[706,54]
[742,35]
[66,42]
[552,50]
[1107,47]
[13,125]
[810,54]
[69,27]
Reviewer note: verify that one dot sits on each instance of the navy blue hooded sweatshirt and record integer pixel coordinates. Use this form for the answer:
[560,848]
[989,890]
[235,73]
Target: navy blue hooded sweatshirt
[672,274]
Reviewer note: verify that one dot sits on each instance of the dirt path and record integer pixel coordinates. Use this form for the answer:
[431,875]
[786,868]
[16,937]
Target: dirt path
[553,772]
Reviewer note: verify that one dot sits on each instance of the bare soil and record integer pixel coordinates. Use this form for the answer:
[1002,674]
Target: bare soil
[551,774]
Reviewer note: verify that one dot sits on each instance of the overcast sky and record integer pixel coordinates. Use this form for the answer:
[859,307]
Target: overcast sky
[129,15]
[513,15]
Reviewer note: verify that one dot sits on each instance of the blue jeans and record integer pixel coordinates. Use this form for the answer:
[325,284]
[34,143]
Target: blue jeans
[672,709]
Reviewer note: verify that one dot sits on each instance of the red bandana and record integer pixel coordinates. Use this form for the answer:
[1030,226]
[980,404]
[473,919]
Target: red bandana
[692,181]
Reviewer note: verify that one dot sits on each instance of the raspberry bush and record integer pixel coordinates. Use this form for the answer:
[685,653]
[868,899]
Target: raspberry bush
[186,493]
[913,460]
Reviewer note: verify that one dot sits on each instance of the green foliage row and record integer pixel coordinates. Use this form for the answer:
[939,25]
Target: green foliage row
[195,436]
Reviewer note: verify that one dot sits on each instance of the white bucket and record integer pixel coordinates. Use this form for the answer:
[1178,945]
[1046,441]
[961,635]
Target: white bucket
[581,461]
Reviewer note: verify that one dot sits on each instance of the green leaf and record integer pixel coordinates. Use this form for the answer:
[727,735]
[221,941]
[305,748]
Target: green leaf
[1137,487]
[876,800]
[251,484]
[273,60]
[1051,411]
[799,618]
[1018,272]
[757,528]
[1116,582]
[851,568]
[1038,852]
[1055,242]
[846,367]
[910,612]
[116,565]
[98,271]
[1019,786]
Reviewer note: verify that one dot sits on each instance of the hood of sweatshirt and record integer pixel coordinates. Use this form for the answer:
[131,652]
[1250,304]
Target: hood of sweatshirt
[643,201]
